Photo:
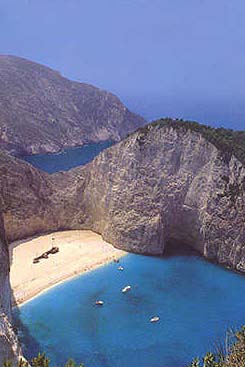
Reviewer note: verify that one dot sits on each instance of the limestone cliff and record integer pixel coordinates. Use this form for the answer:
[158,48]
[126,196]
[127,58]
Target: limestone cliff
[41,111]
[9,348]
[165,183]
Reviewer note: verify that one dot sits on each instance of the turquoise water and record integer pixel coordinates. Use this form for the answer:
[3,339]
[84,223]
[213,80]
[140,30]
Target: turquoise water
[67,159]
[196,301]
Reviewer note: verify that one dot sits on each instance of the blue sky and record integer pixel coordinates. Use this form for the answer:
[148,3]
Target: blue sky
[161,57]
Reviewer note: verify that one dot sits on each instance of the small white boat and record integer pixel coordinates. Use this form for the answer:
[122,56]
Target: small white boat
[155,319]
[126,289]
[99,303]
[121,268]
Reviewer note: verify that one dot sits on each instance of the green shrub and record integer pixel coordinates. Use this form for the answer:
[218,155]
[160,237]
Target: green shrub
[40,361]
[226,140]
[234,355]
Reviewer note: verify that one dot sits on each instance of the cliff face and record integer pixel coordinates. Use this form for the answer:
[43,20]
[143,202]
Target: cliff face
[9,348]
[164,185]
[160,185]
[41,111]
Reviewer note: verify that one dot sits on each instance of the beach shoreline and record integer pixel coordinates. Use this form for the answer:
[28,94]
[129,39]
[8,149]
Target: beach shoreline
[80,251]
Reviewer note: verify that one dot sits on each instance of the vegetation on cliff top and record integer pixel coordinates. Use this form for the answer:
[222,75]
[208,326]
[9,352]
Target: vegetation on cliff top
[231,355]
[40,361]
[226,140]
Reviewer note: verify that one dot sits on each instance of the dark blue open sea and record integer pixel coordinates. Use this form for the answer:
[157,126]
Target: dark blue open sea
[68,158]
[196,301]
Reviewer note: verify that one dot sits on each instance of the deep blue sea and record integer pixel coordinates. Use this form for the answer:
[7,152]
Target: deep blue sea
[196,301]
[68,158]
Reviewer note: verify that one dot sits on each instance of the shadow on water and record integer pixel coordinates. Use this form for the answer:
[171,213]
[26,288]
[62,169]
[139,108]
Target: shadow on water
[24,336]
[65,160]
[175,248]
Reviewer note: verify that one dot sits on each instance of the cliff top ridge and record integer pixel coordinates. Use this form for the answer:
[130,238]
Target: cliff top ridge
[229,142]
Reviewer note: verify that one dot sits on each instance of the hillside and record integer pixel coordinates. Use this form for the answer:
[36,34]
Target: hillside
[157,187]
[226,140]
[9,347]
[164,185]
[41,111]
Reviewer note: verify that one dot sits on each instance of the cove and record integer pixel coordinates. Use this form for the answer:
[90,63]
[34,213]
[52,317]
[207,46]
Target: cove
[197,302]
[68,158]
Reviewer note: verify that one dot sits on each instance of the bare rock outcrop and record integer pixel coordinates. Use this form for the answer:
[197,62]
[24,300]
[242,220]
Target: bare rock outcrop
[162,184]
[41,111]
[9,347]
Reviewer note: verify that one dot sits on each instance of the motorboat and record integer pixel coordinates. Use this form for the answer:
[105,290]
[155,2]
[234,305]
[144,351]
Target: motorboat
[155,319]
[126,289]
[121,268]
[99,303]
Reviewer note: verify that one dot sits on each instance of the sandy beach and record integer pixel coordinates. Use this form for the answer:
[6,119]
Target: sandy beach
[79,251]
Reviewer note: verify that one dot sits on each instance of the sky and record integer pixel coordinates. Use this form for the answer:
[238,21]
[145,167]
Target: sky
[173,58]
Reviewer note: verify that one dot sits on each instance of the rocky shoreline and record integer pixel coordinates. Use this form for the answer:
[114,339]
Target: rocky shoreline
[154,187]
[44,112]
[160,185]
[9,346]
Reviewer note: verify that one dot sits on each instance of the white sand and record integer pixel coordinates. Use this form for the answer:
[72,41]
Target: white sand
[79,251]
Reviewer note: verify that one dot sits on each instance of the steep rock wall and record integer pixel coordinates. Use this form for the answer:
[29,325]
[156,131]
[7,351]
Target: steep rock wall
[164,185]
[9,348]
[41,111]
[157,186]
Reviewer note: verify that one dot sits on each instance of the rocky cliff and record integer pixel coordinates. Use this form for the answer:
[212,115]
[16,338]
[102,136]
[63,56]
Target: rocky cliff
[166,183]
[9,348]
[41,111]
